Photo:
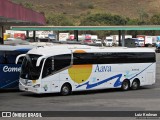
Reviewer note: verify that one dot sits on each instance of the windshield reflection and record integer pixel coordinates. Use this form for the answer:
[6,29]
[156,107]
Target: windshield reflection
[29,70]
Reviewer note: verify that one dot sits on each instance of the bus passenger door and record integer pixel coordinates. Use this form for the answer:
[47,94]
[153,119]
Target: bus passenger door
[55,68]
[50,80]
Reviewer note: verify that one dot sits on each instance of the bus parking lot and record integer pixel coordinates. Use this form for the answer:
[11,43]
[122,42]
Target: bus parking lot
[147,98]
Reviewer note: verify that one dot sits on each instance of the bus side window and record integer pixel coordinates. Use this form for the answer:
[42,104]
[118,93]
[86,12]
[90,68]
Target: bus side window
[47,70]
[62,61]
[84,58]
[2,57]
[11,57]
[56,63]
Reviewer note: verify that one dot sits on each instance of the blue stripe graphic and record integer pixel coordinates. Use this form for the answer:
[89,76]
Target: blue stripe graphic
[116,84]
[101,82]
[9,84]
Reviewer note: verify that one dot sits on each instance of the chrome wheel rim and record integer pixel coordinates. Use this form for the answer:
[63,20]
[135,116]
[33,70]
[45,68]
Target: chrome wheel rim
[65,89]
[135,85]
[125,86]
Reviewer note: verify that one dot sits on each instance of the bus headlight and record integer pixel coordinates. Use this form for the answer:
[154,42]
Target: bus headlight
[36,86]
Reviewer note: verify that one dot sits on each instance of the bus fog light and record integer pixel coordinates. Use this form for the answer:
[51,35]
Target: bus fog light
[36,86]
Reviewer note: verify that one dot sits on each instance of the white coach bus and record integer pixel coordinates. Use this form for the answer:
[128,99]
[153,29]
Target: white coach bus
[64,69]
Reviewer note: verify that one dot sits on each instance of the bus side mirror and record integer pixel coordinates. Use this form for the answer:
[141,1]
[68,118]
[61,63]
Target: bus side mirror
[19,56]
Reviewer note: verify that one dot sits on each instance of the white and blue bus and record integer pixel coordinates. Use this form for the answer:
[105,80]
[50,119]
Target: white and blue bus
[9,71]
[79,68]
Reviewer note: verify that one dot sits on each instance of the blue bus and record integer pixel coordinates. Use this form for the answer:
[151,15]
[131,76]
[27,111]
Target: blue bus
[9,71]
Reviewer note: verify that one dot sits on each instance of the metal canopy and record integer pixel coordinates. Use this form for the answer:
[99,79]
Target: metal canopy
[84,28]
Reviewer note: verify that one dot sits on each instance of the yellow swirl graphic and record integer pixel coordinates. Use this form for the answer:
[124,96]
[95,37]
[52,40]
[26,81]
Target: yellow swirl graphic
[80,73]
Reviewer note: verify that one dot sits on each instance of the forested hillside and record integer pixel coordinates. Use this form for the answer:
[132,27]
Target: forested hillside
[96,12]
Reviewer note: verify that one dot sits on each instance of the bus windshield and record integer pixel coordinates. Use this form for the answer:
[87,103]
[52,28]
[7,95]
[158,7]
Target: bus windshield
[29,69]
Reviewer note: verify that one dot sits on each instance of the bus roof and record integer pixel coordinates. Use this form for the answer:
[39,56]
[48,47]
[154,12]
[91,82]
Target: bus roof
[66,49]
[13,48]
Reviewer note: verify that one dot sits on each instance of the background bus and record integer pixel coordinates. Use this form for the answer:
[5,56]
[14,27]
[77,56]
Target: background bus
[9,71]
[65,69]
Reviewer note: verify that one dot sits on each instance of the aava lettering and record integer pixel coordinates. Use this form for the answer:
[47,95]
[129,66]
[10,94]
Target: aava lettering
[103,68]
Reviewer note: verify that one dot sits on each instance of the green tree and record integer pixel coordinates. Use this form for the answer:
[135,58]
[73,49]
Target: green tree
[132,21]
[143,17]
[101,19]
[155,19]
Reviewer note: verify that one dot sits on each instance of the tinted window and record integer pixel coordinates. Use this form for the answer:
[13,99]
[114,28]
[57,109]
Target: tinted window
[56,63]
[83,58]
[112,58]
[2,57]
[9,57]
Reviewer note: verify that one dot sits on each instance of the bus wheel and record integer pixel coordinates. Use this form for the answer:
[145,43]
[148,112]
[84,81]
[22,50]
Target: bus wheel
[125,85]
[135,85]
[66,89]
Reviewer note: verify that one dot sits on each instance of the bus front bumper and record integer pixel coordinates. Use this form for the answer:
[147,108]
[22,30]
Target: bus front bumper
[29,88]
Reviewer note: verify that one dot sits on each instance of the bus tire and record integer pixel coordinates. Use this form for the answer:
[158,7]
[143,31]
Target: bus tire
[125,85]
[135,84]
[66,89]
